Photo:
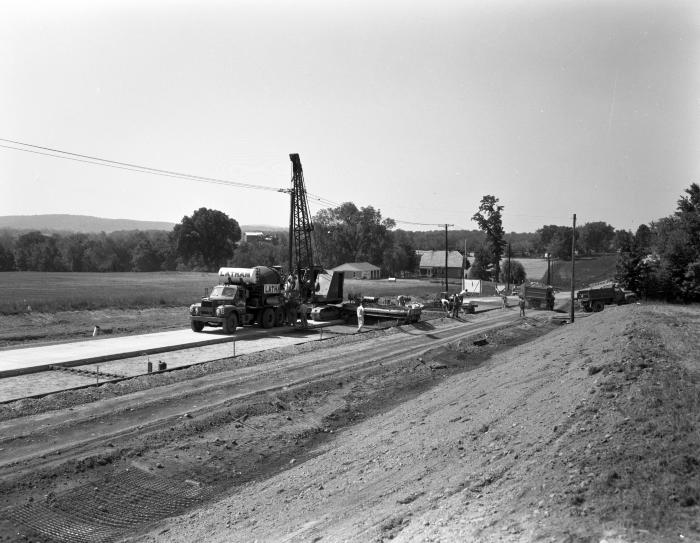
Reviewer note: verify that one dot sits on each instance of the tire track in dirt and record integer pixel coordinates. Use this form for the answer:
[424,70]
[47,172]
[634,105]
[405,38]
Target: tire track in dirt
[139,414]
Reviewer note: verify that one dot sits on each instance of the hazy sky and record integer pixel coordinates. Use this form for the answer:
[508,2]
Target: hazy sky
[416,108]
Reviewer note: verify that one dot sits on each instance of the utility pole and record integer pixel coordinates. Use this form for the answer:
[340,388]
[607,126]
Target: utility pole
[464,267]
[446,226]
[573,264]
[508,272]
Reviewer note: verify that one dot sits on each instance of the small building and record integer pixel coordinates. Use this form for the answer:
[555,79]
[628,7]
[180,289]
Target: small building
[251,237]
[359,270]
[432,264]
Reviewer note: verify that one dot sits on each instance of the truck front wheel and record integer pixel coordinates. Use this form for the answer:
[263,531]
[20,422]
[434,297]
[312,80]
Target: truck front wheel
[267,319]
[279,316]
[598,306]
[197,326]
[230,323]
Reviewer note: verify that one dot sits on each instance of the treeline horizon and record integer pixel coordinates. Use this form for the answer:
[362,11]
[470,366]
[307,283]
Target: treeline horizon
[156,250]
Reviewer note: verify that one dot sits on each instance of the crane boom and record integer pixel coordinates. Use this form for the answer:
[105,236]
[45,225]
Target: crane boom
[314,285]
[301,254]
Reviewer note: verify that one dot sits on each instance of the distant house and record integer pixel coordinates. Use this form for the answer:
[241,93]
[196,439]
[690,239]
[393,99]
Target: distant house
[250,237]
[358,270]
[432,264]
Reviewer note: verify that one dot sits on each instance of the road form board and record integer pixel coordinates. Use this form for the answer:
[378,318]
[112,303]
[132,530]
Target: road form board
[34,359]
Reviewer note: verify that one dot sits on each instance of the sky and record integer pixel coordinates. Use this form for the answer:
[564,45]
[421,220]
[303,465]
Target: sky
[416,108]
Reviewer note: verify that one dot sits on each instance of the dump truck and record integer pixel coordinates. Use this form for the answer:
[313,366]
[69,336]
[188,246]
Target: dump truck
[243,296]
[539,296]
[595,298]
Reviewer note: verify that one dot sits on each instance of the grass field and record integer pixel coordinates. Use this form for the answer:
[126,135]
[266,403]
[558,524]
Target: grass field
[52,292]
[588,270]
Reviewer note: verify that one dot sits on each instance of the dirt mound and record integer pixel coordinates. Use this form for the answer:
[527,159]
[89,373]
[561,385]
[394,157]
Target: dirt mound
[588,433]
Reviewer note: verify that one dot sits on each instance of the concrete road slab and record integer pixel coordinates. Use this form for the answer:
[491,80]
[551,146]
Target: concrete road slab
[103,349]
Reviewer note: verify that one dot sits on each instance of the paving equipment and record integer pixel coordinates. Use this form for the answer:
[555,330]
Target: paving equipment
[596,297]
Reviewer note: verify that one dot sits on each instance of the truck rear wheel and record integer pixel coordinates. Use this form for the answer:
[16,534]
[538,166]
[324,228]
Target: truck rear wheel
[230,323]
[197,326]
[267,318]
[598,306]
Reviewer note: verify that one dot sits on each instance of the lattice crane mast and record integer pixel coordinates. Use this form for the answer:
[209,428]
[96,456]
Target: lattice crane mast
[301,251]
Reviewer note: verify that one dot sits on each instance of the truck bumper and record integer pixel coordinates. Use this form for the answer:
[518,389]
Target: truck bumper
[206,318]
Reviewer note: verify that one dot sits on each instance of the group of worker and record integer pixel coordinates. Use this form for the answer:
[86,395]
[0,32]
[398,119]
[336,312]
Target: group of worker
[453,304]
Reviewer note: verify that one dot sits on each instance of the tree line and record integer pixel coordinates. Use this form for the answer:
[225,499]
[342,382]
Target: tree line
[661,259]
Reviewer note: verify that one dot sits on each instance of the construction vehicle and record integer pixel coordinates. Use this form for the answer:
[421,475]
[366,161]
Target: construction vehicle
[314,284]
[243,296]
[596,297]
[539,296]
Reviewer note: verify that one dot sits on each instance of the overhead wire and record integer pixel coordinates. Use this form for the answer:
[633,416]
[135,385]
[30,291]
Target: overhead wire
[77,157]
[97,161]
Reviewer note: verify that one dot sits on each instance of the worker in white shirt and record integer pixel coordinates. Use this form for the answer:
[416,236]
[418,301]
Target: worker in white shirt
[360,316]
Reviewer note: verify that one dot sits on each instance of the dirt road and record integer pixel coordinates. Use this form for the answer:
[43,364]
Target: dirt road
[445,431]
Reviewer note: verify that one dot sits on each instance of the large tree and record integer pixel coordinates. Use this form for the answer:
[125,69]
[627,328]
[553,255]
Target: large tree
[596,237]
[490,221]
[513,272]
[348,234]
[206,239]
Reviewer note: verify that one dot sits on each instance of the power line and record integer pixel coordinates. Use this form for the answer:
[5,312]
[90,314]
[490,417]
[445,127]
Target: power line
[97,161]
[66,155]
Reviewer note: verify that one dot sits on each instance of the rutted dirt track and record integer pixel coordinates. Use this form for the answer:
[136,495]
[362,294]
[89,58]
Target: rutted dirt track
[412,434]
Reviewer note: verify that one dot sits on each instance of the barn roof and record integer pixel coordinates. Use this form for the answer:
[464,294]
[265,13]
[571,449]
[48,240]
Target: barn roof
[356,267]
[436,259]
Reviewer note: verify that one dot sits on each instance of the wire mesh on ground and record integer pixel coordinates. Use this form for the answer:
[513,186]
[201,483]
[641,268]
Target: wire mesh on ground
[101,514]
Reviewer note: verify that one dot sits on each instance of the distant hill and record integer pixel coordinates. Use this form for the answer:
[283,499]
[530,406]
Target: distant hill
[78,223]
[87,224]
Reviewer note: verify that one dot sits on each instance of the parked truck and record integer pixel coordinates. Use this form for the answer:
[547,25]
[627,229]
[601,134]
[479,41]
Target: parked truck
[597,297]
[243,296]
[539,296]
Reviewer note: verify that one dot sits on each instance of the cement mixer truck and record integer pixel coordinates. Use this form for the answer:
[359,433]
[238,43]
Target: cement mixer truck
[243,296]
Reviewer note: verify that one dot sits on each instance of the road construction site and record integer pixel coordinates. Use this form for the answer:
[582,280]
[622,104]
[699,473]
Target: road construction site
[278,402]
[489,427]
[43,369]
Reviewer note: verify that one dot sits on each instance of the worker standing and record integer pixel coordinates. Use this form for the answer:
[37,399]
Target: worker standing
[521,304]
[457,305]
[303,309]
[360,316]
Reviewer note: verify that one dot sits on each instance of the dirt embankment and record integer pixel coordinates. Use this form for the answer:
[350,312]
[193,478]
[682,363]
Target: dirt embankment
[588,433]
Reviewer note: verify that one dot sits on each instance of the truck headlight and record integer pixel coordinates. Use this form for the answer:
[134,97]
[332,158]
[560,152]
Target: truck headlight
[220,311]
[194,309]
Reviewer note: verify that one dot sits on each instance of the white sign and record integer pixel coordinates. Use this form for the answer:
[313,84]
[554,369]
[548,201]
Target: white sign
[271,288]
[472,286]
